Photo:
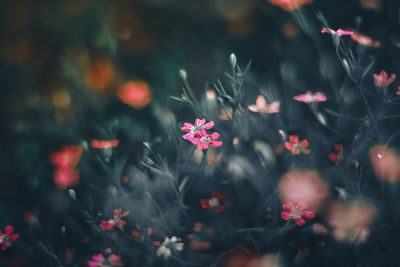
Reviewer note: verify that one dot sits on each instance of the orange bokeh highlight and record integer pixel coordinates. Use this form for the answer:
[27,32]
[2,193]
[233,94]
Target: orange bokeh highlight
[99,74]
[385,162]
[137,94]
[304,185]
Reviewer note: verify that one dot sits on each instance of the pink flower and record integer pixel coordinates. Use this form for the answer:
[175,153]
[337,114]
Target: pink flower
[115,221]
[289,5]
[203,140]
[104,143]
[308,97]
[215,202]
[297,213]
[199,127]
[382,80]
[339,32]
[262,106]
[386,163]
[364,39]
[338,155]
[398,90]
[297,147]
[7,238]
[99,260]
[65,178]
[67,157]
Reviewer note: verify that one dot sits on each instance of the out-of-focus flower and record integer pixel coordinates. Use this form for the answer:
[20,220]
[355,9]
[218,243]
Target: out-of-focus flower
[104,143]
[297,147]
[137,94]
[99,74]
[173,243]
[308,97]
[67,157]
[199,233]
[371,4]
[351,222]
[115,221]
[385,162]
[66,177]
[199,127]
[398,90]
[290,29]
[319,229]
[7,237]
[339,32]
[29,217]
[203,140]
[304,185]
[211,95]
[215,202]
[99,260]
[289,5]
[383,80]
[338,155]
[297,213]
[262,106]
[136,233]
[364,39]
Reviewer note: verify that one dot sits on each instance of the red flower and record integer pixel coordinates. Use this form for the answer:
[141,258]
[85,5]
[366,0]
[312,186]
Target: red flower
[137,94]
[65,178]
[203,140]
[7,238]
[115,221]
[199,126]
[339,32]
[364,39]
[295,147]
[382,80]
[297,213]
[67,157]
[215,202]
[104,143]
[289,5]
[338,155]
[308,97]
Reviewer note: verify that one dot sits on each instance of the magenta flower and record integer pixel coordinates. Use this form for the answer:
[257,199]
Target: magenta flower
[339,32]
[99,260]
[297,213]
[199,127]
[262,106]
[308,97]
[7,238]
[203,140]
[382,79]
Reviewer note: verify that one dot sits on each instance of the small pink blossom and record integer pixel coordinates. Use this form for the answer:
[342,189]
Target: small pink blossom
[364,39]
[99,260]
[7,238]
[297,213]
[203,140]
[383,80]
[115,221]
[339,32]
[262,106]
[308,97]
[199,127]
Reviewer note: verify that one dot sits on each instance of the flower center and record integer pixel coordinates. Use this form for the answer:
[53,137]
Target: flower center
[205,140]
[214,202]
[197,128]
[296,214]
[297,147]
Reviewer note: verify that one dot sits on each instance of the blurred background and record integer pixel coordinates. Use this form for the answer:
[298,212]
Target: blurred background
[72,71]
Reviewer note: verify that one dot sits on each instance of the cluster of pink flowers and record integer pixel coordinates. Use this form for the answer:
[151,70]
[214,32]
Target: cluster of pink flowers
[197,134]
[297,213]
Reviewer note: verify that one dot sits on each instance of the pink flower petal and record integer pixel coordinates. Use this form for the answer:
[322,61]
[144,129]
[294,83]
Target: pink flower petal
[288,206]
[308,214]
[188,136]
[9,229]
[14,237]
[301,205]
[216,143]
[202,145]
[286,215]
[294,139]
[299,221]
[214,135]
[209,125]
